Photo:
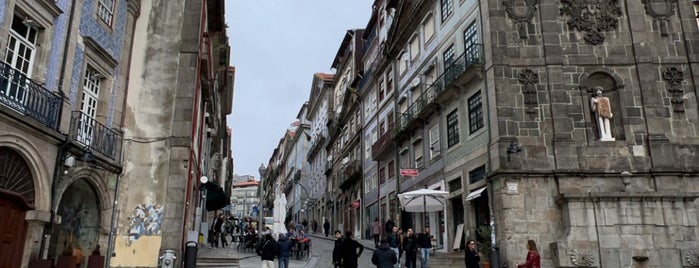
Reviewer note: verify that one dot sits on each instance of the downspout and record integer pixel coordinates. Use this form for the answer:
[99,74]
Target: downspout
[60,154]
[495,254]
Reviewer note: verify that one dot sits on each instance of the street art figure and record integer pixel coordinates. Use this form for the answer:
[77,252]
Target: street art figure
[145,220]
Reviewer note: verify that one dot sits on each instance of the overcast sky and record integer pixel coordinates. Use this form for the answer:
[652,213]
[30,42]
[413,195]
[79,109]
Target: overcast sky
[276,47]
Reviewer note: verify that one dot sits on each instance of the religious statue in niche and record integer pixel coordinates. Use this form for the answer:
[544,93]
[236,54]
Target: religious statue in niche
[602,109]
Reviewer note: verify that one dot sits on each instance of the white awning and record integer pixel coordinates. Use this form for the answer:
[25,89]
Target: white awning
[475,194]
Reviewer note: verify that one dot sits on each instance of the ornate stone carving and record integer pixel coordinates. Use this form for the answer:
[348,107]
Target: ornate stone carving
[581,258]
[593,17]
[691,257]
[521,14]
[529,79]
[661,16]
[674,77]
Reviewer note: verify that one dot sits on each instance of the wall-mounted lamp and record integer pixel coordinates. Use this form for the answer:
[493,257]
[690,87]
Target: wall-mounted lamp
[512,149]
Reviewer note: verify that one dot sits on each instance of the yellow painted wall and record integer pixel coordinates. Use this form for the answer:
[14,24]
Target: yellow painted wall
[139,253]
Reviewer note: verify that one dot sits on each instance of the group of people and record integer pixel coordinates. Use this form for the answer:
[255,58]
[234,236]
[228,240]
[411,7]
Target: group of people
[473,257]
[221,228]
[268,248]
[394,245]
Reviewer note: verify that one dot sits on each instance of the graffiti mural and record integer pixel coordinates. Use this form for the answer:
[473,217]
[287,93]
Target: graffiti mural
[146,219]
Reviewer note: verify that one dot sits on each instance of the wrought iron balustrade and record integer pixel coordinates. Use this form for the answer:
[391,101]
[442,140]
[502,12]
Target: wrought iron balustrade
[28,97]
[94,135]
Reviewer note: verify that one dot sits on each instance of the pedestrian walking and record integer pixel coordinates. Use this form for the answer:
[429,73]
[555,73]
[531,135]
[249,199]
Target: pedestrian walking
[314,225]
[267,250]
[394,243]
[410,249]
[350,250]
[384,257]
[376,231]
[215,231]
[284,250]
[337,256]
[424,243]
[326,227]
[471,255]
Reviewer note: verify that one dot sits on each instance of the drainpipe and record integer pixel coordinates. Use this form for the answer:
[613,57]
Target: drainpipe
[112,224]
[495,254]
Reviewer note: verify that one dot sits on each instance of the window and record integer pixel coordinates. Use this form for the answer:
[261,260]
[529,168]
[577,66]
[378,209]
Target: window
[475,113]
[430,75]
[417,147]
[382,91]
[382,175]
[389,81]
[447,9]
[454,185]
[105,10]
[452,128]
[20,56]
[476,174]
[88,106]
[434,141]
[449,57]
[403,63]
[414,48]
[471,43]
[428,28]
[391,169]
[382,127]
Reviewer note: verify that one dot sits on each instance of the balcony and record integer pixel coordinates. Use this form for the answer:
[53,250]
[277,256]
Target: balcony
[24,95]
[93,135]
[460,72]
[349,174]
[382,146]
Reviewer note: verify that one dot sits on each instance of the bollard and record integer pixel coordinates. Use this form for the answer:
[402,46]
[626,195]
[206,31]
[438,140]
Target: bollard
[190,254]
[168,259]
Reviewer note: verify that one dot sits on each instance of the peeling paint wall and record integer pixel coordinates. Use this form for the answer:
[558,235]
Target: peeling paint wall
[158,122]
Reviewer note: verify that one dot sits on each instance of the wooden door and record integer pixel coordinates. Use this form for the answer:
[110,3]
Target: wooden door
[12,231]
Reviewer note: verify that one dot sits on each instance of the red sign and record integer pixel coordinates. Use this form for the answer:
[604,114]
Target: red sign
[408,172]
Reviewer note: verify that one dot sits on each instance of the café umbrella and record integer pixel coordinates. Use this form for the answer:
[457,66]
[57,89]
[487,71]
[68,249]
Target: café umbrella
[423,200]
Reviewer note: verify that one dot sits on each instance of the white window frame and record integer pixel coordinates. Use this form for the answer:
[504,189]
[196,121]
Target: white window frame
[414,46]
[434,141]
[88,105]
[105,11]
[23,63]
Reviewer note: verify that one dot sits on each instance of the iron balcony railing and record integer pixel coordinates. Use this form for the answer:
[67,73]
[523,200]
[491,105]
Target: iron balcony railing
[454,70]
[94,135]
[28,97]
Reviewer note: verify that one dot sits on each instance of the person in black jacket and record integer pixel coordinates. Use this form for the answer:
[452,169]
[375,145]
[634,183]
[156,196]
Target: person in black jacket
[337,256]
[410,249]
[472,256]
[348,251]
[384,257]
[267,250]
[326,227]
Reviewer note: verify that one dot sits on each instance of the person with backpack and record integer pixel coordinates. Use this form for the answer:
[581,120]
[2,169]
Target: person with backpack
[267,250]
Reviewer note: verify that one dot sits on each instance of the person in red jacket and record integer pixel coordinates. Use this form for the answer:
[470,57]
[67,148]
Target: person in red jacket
[533,258]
